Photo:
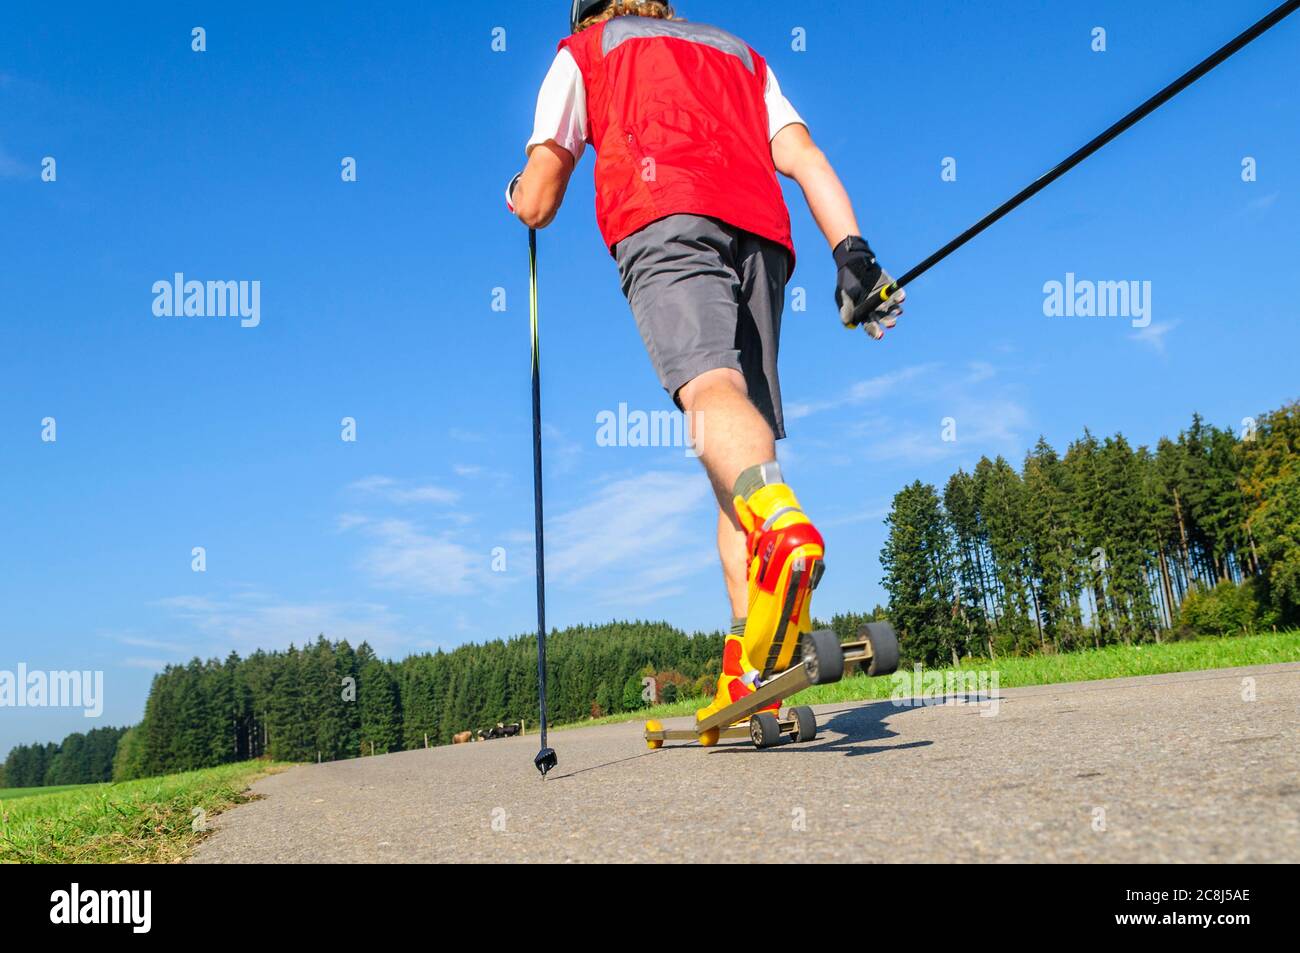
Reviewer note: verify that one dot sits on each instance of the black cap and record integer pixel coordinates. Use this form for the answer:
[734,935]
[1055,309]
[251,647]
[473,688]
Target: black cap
[583,9]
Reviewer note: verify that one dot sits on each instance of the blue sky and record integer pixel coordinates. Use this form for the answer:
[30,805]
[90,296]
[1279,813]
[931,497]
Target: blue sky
[376,304]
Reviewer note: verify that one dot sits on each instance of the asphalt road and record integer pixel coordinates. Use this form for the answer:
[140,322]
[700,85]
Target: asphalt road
[1159,768]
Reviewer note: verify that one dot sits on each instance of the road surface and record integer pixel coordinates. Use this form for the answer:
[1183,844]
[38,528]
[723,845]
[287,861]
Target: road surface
[1159,768]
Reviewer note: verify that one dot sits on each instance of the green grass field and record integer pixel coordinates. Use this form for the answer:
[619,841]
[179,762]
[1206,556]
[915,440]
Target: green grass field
[12,794]
[151,820]
[1116,661]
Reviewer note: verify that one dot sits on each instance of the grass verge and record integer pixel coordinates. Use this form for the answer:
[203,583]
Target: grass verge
[13,794]
[1114,661]
[152,820]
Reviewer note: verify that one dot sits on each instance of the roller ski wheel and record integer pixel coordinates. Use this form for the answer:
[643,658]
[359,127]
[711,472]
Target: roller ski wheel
[764,729]
[884,648]
[823,659]
[805,723]
[653,743]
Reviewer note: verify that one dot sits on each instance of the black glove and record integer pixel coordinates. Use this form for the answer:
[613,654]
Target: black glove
[858,289]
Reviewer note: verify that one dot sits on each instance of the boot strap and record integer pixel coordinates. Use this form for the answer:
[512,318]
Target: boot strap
[767,523]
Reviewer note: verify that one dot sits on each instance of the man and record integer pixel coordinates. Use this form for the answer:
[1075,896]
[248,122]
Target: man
[690,128]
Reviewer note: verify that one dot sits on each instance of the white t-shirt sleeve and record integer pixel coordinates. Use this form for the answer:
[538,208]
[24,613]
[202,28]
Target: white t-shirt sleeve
[562,107]
[779,111]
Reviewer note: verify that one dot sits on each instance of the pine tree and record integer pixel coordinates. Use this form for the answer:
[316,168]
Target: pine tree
[128,760]
[1052,550]
[1088,512]
[917,560]
[323,692]
[381,719]
[962,509]
[347,675]
[292,735]
[1270,480]
[1002,507]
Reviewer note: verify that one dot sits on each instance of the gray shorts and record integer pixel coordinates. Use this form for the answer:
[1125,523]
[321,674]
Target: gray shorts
[706,295]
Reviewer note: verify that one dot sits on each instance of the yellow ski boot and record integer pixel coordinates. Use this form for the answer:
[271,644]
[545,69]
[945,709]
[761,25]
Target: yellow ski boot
[736,681]
[785,564]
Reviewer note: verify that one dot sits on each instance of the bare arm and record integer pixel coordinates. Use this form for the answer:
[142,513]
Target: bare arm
[797,157]
[860,278]
[541,189]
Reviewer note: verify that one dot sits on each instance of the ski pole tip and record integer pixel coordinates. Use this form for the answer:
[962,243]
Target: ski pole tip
[545,761]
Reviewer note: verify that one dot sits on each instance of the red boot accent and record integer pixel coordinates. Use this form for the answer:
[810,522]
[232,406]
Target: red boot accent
[773,549]
[738,689]
[731,653]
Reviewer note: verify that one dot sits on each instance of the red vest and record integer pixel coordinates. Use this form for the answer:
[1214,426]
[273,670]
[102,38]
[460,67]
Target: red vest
[676,114]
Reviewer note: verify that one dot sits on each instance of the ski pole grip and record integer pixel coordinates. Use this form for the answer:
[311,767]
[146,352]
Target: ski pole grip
[875,300]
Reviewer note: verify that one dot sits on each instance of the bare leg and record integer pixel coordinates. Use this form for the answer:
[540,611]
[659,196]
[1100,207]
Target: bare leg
[729,435]
[731,550]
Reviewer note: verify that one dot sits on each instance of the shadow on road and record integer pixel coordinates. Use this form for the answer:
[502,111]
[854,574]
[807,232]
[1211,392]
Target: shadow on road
[594,767]
[853,726]
[861,723]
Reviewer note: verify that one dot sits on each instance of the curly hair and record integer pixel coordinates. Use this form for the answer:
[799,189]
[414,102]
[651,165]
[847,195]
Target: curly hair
[657,9]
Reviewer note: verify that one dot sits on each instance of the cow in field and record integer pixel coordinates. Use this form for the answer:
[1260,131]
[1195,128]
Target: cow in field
[462,737]
[501,731]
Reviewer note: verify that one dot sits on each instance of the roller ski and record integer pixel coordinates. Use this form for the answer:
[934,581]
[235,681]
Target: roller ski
[778,654]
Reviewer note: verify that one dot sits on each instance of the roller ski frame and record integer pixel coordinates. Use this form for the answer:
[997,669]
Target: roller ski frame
[824,660]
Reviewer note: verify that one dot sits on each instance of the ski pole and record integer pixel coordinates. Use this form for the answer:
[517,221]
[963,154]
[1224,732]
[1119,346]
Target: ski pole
[1134,117]
[546,758]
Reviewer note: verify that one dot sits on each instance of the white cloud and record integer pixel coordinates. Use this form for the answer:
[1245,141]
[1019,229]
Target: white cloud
[1263,202]
[986,424]
[394,491]
[188,604]
[883,387]
[466,436]
[405,557]
[224,623]
[1153,335]
[644,534]
[908,408]
[560,454]
[484,477]
[171,648]
[425,494]
[347,521]
[372,484]
[872,514]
